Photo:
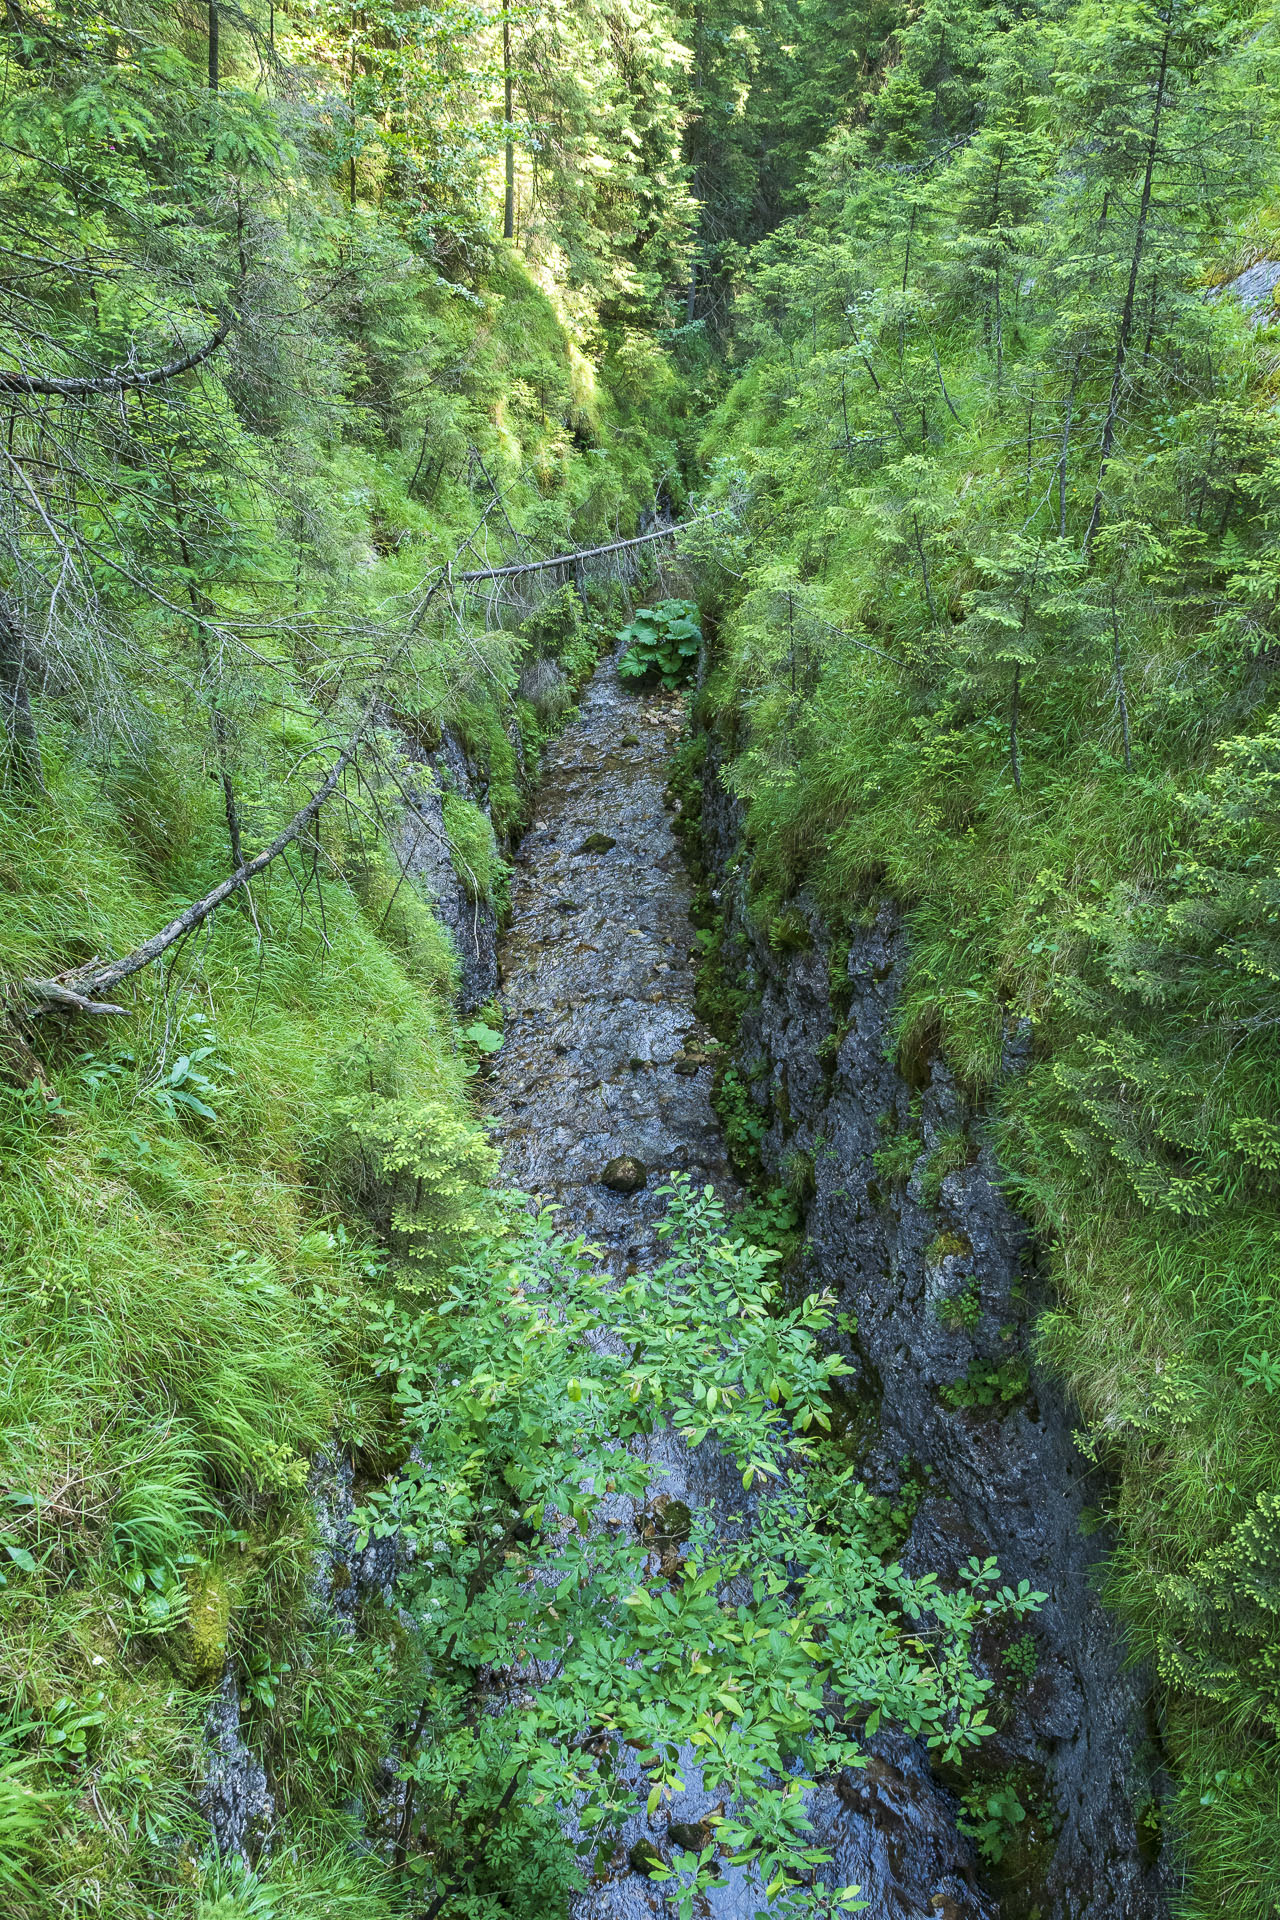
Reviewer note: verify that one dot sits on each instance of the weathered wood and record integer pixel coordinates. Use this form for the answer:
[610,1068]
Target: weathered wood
[580,554]
[15,700]
[119,381]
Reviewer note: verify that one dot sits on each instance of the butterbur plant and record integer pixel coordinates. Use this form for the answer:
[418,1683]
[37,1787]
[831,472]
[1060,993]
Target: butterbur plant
[551,1632]
[662,644]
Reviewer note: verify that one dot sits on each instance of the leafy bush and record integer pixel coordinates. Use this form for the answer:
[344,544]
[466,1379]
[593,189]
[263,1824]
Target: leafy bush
[518,1427]
[663,643]
[991,1818]
[985,1384]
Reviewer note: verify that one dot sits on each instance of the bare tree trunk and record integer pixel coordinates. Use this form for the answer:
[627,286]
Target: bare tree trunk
[1125,330]
[1014,762]
[1066,446]
[1119,672]
[213,46]
[924,570]
[508,90]
[15,702]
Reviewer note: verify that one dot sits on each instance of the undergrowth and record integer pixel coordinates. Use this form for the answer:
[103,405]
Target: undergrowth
[207,1204]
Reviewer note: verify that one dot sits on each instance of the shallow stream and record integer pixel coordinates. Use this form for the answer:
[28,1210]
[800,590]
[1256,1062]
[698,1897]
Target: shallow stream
[605,1060]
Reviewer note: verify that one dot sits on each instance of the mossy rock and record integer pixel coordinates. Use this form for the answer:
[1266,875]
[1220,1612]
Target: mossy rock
[668,1523]
[644,1857]
[597,843]
[624,1174]
[200,1650]
[692,1835]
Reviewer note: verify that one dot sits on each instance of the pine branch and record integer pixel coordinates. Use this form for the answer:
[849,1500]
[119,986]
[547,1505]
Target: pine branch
[120,380]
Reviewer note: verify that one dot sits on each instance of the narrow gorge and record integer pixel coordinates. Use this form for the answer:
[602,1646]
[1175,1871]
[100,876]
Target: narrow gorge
[604,1087]
[639,932]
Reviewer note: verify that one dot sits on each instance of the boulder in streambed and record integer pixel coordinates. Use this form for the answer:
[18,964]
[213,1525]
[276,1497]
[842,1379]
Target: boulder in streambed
[667,1523]
[624,1174]
[644,1857]
[691,1835]
[596,843]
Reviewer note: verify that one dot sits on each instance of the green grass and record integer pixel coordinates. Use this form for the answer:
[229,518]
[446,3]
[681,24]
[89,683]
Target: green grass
[1128,914]
[205,1206]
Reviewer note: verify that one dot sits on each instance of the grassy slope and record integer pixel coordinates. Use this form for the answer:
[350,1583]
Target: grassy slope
[1127,913]
[188,1290]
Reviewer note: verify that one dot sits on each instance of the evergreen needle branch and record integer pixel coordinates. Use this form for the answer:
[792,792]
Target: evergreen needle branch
[75,991]
[120,380]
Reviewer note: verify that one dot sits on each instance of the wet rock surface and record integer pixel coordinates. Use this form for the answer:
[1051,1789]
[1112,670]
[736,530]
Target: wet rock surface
[591,1102]
[422,849]
[939,1274]
[234,1794]
[605,1062]
[345,1574]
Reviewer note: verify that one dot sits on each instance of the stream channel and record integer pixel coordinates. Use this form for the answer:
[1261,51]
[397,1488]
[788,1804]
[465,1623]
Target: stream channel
[604,1058]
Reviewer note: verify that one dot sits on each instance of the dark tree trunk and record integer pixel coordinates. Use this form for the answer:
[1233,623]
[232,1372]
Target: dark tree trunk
[16,660]
[508,90]
[1125,330]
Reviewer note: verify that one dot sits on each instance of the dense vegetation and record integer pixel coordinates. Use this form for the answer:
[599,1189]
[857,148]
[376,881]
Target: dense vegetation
[1002,645]
[206,576]
[302,312]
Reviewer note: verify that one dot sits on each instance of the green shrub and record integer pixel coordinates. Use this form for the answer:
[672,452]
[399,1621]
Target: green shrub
[662,644]
[984,1384]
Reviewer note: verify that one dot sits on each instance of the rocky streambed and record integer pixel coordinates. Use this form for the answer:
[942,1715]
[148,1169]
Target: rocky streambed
[603,1086]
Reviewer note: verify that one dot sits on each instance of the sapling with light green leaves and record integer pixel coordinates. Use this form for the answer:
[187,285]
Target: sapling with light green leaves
[551,1633]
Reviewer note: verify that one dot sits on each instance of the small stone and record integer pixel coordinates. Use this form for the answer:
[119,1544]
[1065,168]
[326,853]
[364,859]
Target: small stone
[692,1835]
[630,740]
[624,1174]
[666,1524]
[568,906]
[644,1857]
[597,843]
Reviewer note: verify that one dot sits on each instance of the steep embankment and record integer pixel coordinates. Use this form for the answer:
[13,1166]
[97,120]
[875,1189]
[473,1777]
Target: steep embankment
[951,1423]
[199,1198]
[1000,660]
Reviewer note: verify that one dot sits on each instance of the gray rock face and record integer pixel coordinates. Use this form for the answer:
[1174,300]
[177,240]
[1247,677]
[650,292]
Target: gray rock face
[234,1795]
[1255,290]
[422,847]
[943,1289]
[345,1574]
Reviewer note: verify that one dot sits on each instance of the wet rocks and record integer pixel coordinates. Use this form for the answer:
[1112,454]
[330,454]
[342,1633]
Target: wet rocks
[624,1174]
[234,1795]
[644,1856]
[939,1277]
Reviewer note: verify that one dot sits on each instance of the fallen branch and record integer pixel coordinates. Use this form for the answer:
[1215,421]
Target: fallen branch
[585,553]
[72,991]
[75,990]
[119,380]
